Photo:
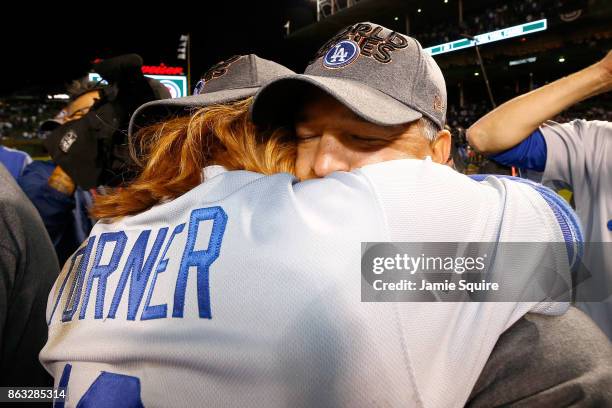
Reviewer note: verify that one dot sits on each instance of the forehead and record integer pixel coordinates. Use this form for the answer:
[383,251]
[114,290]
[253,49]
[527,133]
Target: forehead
[317,105]
[319,109]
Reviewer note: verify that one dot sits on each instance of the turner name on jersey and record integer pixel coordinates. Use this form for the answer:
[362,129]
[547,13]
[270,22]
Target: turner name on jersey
[99,272]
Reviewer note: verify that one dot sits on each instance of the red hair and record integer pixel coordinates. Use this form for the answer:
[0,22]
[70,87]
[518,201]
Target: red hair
[172,155]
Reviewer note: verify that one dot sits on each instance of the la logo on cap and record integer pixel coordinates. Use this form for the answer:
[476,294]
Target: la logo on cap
[341,54]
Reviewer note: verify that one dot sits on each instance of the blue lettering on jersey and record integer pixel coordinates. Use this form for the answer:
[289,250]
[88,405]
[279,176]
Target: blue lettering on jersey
[139,270]
[74,295]
[111,390]
[108,390]
[159,311]
[200,259]
[78,253]
[63,383]
[103,271]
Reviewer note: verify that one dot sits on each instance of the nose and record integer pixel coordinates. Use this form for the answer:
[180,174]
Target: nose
[331,156]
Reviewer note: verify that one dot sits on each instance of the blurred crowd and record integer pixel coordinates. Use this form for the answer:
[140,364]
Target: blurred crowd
[495,17]
[21,117]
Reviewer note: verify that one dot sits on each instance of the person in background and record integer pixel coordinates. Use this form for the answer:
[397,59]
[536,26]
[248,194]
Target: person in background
[83,94]
[88,147]
[62,206]
[577,154]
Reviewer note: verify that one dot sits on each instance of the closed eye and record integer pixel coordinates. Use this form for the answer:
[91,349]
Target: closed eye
[363,138]
[305,138]
[369,139]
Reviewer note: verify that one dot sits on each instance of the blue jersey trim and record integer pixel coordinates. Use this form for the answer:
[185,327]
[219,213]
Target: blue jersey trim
[529,154]
[564,214]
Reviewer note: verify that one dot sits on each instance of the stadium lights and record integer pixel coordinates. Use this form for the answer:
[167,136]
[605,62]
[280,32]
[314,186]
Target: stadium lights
[522,61]
[176,84]
[485,38]
[562,59]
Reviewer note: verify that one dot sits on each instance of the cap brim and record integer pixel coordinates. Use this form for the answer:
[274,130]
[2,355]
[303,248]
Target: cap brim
[160,110]
[273,103]
[49,125]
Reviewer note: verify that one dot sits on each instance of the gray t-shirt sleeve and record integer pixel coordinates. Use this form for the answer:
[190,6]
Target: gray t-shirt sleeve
[28,268]
[8,266]
[574,150]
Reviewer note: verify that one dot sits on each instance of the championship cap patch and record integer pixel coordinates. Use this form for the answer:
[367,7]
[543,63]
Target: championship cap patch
[216,71]
[341,54]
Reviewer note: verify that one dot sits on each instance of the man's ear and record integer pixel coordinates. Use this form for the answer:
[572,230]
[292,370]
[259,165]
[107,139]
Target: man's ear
[441,147]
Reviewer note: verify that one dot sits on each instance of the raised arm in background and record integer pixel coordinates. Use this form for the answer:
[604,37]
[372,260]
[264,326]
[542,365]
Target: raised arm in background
[512,122]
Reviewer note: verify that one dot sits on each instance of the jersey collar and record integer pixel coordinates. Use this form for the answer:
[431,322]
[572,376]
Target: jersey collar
[209,172]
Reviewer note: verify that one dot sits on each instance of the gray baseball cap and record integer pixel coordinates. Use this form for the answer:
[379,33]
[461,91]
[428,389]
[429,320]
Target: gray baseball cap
[382,76]
[230,80]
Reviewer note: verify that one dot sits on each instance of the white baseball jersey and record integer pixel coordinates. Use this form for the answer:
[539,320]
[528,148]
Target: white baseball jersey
[246,292]
[579,154]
